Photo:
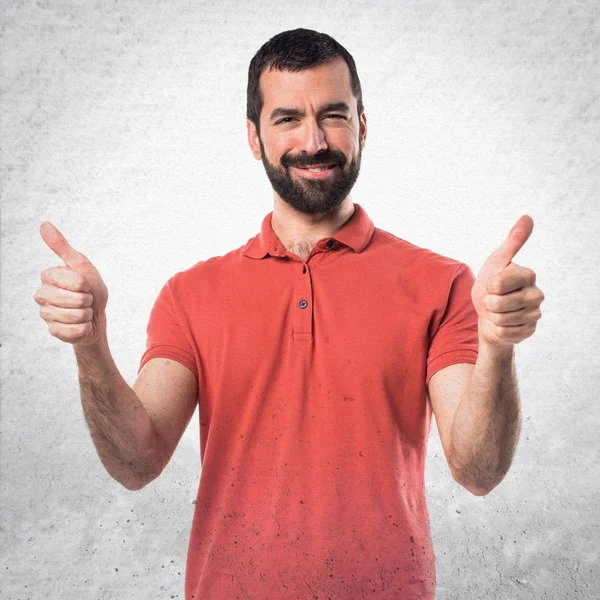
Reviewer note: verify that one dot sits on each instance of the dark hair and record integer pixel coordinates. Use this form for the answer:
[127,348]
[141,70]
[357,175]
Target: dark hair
[295,50]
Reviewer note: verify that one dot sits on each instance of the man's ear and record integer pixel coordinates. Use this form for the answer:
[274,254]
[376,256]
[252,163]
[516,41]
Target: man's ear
[363,130]
[253,140]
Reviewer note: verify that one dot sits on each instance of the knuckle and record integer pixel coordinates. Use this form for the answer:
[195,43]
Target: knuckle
[72,316]
[73,332]
[80,315]
[83,300]
[83,329]
[53,274]
[80,283]
[46,275]
[66,334]
[492,286]
[536,296]
[492,302]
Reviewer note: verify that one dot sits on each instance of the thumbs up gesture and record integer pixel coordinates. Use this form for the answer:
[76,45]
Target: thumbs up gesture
[72,298]
[504,294]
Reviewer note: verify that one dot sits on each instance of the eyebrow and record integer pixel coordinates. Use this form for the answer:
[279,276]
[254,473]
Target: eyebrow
[294,112]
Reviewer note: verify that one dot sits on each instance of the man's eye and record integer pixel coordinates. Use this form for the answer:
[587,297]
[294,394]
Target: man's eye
[335,116]
[284,120]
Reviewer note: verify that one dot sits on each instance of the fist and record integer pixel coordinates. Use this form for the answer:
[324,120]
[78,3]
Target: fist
[72,298]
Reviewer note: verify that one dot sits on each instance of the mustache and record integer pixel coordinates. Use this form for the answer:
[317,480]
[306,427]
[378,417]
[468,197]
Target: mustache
[326,157]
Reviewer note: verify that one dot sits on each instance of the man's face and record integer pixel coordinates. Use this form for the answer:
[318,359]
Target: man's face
[309,119]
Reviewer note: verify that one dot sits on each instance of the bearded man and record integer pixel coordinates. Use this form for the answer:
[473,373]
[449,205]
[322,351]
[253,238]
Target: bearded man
[317,353]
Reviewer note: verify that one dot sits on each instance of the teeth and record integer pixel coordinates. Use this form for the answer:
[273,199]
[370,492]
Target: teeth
[317,169]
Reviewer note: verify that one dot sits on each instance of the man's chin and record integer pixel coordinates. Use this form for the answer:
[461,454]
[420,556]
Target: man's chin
[314,183]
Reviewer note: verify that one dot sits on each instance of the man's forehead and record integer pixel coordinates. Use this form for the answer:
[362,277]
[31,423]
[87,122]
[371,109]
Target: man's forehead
[328,79]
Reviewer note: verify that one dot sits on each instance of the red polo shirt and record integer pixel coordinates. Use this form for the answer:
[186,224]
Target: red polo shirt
[314,415]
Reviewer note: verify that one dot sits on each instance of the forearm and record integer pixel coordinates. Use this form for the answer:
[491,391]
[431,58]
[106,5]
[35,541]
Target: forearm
[487,423]
[121,429]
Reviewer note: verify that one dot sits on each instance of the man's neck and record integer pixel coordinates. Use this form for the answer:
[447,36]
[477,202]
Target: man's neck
[299,233]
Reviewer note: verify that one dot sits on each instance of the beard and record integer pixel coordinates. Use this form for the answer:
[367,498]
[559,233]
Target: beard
[313,196]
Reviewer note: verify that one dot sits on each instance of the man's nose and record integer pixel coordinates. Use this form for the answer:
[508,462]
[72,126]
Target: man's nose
[313,138]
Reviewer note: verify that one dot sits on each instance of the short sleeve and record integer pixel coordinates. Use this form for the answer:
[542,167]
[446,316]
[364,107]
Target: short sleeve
[456,338]
[165,335]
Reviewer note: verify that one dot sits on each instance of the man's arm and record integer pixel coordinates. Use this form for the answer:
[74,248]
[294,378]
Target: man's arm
[478,412]
[135,430]
[478,409]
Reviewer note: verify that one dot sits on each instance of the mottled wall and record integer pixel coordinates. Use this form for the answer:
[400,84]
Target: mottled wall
[123,123]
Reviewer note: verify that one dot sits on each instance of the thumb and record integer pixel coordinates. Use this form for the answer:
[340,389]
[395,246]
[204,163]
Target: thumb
[58,244]
[518,235]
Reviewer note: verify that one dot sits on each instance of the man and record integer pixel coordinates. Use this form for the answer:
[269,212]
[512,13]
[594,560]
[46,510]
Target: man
[317,352]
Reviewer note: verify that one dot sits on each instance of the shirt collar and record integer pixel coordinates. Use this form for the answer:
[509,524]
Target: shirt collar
[356,234]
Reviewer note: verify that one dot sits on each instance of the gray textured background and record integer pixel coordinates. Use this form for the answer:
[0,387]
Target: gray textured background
[123,123]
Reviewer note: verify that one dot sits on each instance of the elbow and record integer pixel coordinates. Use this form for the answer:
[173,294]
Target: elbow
[137,472]
[134,485]
[135,481]
[479,477]
[146,471]
[477,490]
[480,485]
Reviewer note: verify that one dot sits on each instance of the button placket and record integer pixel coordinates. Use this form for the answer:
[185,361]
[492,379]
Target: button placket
[303,306]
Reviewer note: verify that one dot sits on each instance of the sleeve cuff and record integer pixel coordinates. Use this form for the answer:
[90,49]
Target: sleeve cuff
[172,352]
[450,358]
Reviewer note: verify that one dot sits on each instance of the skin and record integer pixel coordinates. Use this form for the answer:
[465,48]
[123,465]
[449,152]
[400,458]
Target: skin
[309,92]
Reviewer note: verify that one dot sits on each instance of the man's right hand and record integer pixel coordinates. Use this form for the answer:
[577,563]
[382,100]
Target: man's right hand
[72,298]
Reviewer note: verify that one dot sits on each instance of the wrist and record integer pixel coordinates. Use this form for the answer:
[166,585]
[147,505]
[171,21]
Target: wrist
[92,355]
[495,352]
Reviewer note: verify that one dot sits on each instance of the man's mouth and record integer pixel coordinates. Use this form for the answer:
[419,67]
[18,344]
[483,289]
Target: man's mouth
[318,171]
[317,168]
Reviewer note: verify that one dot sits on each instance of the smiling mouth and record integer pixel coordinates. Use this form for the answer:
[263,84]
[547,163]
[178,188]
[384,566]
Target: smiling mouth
[317,168]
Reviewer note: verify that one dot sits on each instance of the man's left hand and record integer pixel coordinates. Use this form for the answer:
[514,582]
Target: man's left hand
[504,294]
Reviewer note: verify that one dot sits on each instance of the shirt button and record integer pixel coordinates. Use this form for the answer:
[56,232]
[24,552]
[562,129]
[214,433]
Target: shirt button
[303,303]
[331,243]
